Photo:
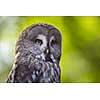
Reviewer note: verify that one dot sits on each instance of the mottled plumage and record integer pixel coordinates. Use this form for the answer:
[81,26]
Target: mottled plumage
[37,56]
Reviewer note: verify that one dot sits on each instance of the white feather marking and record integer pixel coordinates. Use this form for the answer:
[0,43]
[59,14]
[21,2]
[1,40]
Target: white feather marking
[17,55]
[51,38]
[52,57]
[33,76]
[43,38]
[12,73]
[43,56]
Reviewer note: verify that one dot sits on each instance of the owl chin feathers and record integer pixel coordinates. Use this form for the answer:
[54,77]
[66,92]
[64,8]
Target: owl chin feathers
[38,52]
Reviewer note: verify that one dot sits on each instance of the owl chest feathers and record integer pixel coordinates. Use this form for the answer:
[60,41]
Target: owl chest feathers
[36,69]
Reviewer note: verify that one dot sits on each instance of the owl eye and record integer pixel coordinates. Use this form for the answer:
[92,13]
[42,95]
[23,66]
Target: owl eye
[53,42]
[38,41]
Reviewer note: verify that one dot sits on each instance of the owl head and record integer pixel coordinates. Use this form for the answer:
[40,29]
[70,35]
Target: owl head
[41,39]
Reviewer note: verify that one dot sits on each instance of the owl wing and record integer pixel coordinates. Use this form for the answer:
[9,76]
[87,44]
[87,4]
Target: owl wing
[39,71]
[22,68]
[19,74]
[29,69]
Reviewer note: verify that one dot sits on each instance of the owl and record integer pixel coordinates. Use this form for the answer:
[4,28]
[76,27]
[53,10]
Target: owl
[37,55]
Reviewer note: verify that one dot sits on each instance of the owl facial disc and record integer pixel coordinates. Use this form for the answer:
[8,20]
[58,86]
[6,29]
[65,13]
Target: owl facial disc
[44,42]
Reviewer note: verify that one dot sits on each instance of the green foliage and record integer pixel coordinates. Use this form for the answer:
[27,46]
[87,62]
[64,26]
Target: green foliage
[80,59]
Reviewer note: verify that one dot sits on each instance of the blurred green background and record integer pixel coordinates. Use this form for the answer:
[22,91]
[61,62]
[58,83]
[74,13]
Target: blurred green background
[80,61]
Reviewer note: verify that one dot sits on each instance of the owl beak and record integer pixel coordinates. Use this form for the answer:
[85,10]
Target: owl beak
[48,58]
[46,51]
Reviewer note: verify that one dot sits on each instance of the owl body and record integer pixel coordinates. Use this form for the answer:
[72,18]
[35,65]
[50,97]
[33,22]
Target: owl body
[37,57]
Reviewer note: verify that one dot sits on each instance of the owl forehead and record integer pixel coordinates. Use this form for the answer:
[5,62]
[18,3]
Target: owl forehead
[39,30]
[41,36]
[42,31]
